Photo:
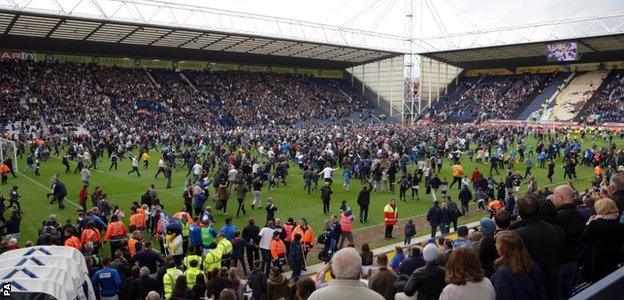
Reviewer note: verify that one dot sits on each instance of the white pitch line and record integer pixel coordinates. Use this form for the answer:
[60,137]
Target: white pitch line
[48,189]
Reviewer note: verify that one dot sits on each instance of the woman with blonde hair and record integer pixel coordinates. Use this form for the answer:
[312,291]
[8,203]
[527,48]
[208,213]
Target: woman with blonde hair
[517,276]
[466,278]
[604,239]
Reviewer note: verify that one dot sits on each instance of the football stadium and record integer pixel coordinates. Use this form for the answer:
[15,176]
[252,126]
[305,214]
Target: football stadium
[374,149]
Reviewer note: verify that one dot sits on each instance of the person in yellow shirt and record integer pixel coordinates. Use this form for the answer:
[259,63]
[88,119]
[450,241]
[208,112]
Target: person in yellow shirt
[226,248]
[145,158]
[212,260]
[458,174]
[192,272]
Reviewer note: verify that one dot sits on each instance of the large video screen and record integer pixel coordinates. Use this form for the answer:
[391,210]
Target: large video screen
[567,51]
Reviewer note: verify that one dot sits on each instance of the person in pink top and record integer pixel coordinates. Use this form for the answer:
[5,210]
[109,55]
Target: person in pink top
[288,228]
[346,227]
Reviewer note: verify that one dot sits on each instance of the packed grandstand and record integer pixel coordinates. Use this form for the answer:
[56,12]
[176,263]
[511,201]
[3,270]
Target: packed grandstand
[118,166]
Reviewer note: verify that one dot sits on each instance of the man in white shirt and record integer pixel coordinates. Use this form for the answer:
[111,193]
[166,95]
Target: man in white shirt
[85,175]
[161,167]
[135,165]
[266,234]
[327,173]
[197,168]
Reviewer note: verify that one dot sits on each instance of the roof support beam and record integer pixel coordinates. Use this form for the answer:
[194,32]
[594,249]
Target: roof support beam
[61,21]
[215,41]
[278,50]
[258,47]
[129,34]
[228,47]
[161,37]
[192,40]
[10,26]
[588,46]
[93,31]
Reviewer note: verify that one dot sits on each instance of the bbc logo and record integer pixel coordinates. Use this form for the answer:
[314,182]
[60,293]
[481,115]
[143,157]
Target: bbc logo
[6,289]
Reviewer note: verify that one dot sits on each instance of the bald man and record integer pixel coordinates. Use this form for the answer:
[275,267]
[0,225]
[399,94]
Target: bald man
[572,223]
[346,266]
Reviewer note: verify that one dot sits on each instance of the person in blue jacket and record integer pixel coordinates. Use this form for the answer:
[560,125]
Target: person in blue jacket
[106,281]
[195,235]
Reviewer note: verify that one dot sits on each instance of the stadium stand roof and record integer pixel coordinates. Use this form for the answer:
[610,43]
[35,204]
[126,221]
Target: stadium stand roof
[71,34]
[591,49]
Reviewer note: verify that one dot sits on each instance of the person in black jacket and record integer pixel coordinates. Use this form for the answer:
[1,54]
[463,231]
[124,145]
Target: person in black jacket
[428,281]
[434,185]
[604,240]
[250,235]
[542,240]
[142,286]
[487,250]
[59,193]
[326,197]
[572,223]
[364,201]
[258,282]
[433,217]
[296,260]
[464,199]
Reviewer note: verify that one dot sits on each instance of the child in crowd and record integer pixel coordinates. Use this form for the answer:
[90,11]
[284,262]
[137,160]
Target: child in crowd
[410,231]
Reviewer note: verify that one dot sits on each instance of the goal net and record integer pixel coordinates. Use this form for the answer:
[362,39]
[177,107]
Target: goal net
[8,149]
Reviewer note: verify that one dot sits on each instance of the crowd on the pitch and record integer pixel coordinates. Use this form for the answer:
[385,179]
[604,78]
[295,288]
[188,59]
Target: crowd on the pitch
[378,155]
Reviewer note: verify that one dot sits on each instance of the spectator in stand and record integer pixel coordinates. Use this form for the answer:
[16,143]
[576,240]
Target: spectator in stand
[304,288]
[517,276]
[487,251]
[277,285]
[572,222]
[346,266]
[616,190]
[604,240]
[542,240]
[383,280]
[140,288]
[466,278]
[413,262]
[427,281]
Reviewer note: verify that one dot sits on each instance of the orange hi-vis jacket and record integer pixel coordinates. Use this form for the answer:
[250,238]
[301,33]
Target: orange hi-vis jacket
[178,216]
[138,221]
[278,249]
[132,242]
[115,231]
[74,242]
[90,235]
[307,236]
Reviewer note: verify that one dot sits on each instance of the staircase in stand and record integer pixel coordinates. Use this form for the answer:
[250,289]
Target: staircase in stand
[575,95]
[547,91]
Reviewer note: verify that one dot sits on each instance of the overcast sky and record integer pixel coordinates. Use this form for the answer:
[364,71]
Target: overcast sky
[387,16]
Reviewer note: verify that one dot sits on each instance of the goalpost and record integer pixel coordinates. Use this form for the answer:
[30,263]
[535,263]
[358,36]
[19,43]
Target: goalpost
[8,149]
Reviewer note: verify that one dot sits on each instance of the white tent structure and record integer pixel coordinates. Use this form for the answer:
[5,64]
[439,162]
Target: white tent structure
[46,272]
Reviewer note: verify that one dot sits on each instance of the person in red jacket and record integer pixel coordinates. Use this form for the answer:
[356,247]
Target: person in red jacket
[391,216]
[83,197]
